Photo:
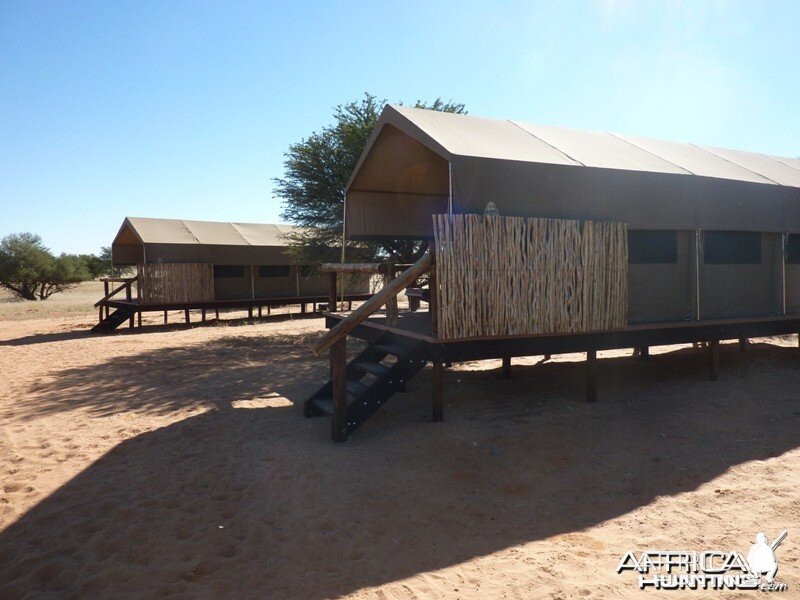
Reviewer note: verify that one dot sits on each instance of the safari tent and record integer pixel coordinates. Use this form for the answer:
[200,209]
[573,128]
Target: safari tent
[598,241]
[203,265]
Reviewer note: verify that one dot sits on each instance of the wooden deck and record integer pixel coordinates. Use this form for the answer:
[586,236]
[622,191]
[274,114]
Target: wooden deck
[131,310]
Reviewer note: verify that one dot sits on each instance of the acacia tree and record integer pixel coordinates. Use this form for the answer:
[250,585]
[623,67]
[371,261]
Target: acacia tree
[29,270]
[316,172]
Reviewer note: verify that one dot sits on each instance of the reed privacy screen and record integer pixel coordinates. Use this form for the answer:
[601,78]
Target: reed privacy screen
[170,283]
[499,276]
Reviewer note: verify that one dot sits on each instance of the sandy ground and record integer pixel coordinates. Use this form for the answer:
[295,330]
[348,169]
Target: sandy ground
[176,462]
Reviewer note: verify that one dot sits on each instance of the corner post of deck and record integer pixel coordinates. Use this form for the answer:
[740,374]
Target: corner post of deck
[438,391]
[165,317]
[186,315]
[713,360]
[332,277]
[591,376]
[505,369]
[339,384]
[644,353]
[105,295]
[743,344]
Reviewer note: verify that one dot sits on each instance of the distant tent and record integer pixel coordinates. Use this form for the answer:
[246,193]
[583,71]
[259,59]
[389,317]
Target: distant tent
[249,260]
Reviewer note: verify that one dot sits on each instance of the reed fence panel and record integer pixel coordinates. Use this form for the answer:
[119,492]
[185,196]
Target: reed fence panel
[501,276]
[168,283]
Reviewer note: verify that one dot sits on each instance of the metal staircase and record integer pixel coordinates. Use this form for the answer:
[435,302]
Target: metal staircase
[372,377]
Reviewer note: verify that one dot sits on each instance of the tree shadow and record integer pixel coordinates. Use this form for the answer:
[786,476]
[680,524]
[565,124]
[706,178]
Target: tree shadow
[258,502]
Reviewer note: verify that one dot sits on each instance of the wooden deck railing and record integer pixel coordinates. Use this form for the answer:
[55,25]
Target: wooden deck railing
[393,287]
[126,285]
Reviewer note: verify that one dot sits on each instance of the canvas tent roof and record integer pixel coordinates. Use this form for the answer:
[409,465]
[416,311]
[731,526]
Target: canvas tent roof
[421,161]
[177,240]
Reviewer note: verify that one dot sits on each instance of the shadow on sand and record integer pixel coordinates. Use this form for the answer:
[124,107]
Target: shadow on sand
[259,503]
[83,332]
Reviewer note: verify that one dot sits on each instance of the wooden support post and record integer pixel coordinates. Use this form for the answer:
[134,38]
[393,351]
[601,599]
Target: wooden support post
[644,353]
[165,317]
[391,304]
[269,311]
[203,315]
[139,318]
[100,315]
[339,382]
[313,307]
[742,344]
[713,360]
[505,370]
[186,314]
[547,357]
[302,308]
[349,305]
[438,392]
[259,312]
[332,292]
[433,300]
[105,294]
[250,312]
[591,376]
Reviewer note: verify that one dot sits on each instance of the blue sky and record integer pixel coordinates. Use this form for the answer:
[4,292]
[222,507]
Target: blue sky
[184,109]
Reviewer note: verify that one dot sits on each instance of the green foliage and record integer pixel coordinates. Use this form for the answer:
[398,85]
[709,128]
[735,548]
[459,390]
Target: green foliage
[29,270]
[316,172]
[98,264]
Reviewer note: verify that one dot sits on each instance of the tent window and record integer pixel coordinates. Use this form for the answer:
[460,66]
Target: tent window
[306,270]
[732,248]
[793,249]
[646,247]
[228,271]
[273,271]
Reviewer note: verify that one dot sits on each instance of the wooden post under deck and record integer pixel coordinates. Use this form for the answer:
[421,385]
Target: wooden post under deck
[186,314]
[203,315]
[259,312]
[644,353]
[105,295]
[742,344]
[438,392]
[713,360]
[165,317]
[139,318]
[591,376]
[339,384]
[391,303]
[505,369]
[128,298]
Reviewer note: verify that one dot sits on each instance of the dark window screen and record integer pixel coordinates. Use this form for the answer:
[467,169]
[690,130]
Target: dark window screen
[273,271]
[228,271]
[732,248]
[649,247]
[793,249]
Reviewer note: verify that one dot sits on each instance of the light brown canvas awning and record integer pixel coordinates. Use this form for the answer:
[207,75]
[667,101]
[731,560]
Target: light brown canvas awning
[420,162]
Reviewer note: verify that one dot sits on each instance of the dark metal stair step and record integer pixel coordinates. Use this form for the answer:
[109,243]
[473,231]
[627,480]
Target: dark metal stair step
[356,388]
[323,404]
[390,348]
[374,368]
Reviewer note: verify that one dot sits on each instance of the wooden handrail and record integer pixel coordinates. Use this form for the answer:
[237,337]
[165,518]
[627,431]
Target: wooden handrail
[382,267]
[127,283]
[359,315]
